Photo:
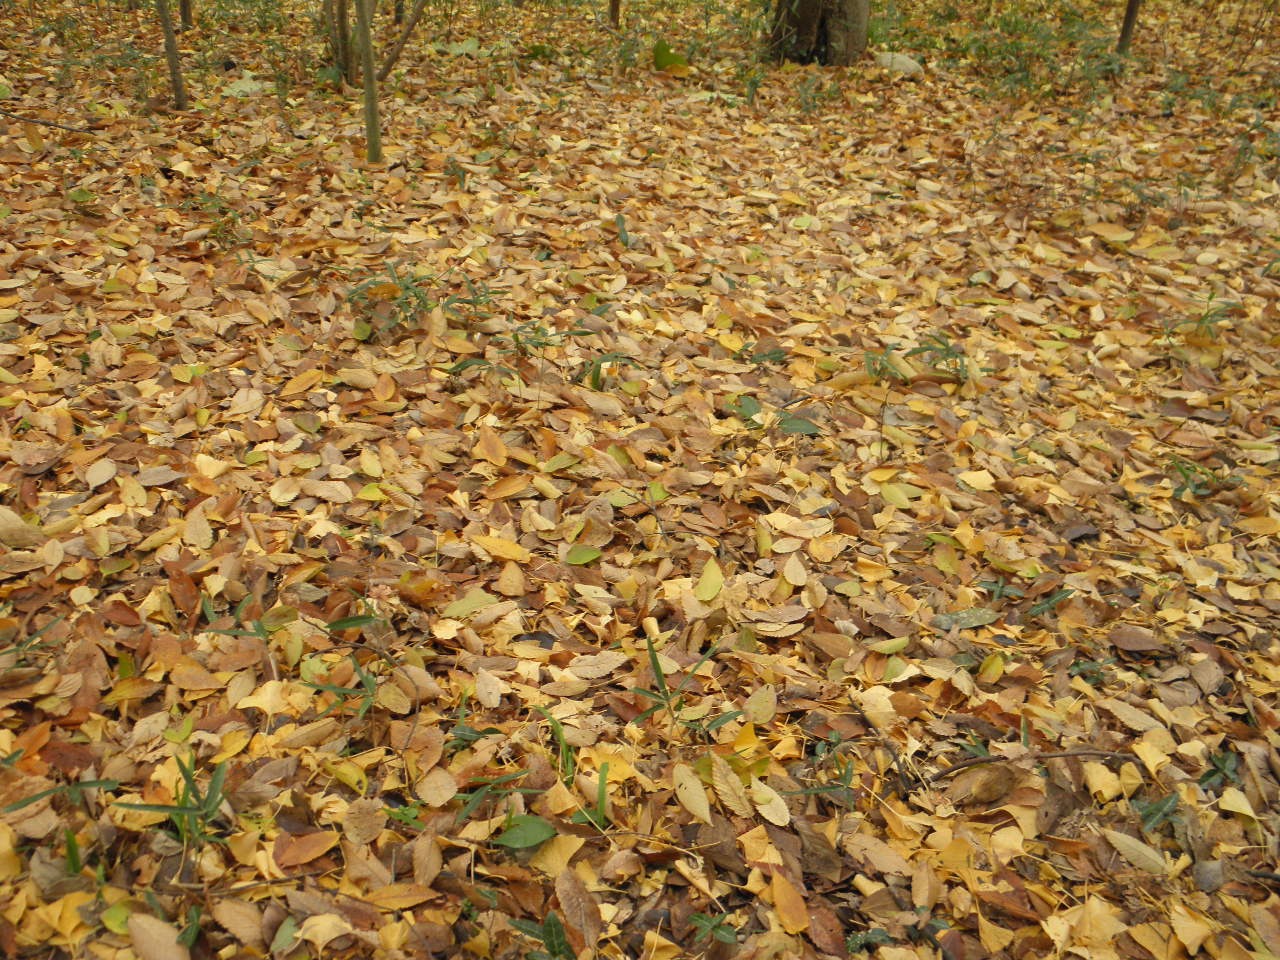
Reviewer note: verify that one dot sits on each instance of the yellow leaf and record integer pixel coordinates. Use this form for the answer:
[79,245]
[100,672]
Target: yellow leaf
[788,903]
[770,804]
[1233,801]
[318,929]
[709,584]
[502,548]
[1112,232]
[489,446]
[978,479]
[762,705]
[690,792]
[401,896]
[794,572]
[302,382]
[1137,853]
[729,788]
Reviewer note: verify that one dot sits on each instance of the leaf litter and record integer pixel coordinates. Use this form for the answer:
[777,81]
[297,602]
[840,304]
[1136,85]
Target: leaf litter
[637,519]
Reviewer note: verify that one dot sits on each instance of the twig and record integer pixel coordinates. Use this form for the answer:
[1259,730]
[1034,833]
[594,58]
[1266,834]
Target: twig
[45,123]
[1055,755]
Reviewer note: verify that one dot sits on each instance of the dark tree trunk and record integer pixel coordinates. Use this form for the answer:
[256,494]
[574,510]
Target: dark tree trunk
[1130,22]
[830,32]
[171,55]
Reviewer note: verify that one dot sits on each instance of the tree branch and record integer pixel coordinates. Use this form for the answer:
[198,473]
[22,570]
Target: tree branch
[45,123]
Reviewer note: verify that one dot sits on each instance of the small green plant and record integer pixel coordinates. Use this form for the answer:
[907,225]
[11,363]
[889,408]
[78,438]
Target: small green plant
[400,298]
[1198,480]
[1000,588]
[1224,768]
[815,92]
[880,366]
[1155,813]
[530,341]
[1051,601]
[224,220]
[1092,672]
[839,771]
[598,815]
[664,697]
[73,791]
[551,934]
[867,940]
[365,694]
[596,370]
[566,759]
[752,77]
[197,809]
[17,652]
[267,16]
[533,338]
[945,358]
[488,789]
[747,353]
[715,927]
[407,815]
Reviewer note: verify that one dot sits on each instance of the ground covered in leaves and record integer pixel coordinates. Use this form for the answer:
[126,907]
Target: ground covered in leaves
[712,511]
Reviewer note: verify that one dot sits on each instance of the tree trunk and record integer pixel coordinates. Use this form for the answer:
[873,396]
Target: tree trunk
[829,32]
[336,22]
[615,13]
[1126,30]
[185,16]
[369,74]
[397,48]
[171,55]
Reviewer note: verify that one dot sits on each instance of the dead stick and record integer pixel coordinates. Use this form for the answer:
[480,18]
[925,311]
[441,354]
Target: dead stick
[45,123]
[1056,755]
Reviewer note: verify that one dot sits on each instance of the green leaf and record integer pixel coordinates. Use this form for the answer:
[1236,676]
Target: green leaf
[745,407]
[554,937]
[525,831]
[476,599]
[580,555]
[801,425]
[346,623]
[965,619]
[80,195]
[116,917]
[285,936]
[664,56]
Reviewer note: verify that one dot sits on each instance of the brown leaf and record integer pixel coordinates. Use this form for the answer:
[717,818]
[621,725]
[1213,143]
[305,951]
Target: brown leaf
[153,939]
[579,910]
[292,850]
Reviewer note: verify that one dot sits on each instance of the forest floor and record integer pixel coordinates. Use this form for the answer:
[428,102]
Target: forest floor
[723,510]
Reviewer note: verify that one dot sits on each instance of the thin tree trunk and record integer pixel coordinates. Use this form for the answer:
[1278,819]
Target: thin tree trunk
[372,122]
[185,16]
[342,40]
[615,13]
[172,56]
[393,55]
[1130,23]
